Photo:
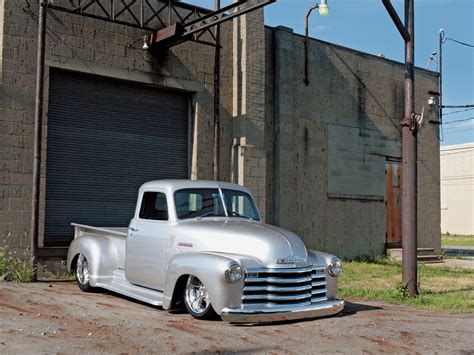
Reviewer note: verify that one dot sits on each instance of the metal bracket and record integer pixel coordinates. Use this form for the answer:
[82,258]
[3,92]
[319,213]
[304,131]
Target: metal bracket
[413,121]
[201,24]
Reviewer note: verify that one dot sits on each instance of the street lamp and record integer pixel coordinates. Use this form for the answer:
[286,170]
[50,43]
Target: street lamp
[323,11]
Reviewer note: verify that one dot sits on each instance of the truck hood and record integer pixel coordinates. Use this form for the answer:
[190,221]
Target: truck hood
[270,245]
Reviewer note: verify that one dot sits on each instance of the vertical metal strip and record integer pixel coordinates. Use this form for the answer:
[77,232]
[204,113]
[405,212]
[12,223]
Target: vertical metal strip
[35,206]
[217,84]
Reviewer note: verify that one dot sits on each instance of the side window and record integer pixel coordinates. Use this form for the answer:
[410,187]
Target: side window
[154,206]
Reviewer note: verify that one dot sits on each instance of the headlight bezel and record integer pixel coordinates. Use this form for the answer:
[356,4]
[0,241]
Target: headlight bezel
[232,270]
[334,267]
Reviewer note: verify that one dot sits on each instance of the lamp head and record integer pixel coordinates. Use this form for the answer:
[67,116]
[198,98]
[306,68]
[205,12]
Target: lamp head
[323,8]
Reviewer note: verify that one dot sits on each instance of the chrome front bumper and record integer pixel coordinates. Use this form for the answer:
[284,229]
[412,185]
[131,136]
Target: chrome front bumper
[266,315]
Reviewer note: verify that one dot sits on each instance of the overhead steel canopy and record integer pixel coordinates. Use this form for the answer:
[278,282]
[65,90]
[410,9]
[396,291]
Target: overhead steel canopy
[172,22]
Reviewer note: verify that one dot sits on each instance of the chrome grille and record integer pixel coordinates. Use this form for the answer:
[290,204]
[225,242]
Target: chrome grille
[284,287]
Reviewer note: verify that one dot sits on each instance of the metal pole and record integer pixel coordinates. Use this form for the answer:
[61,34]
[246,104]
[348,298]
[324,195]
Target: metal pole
[440,71]
[306,44]
[217,93]
[409,156]
[35,206]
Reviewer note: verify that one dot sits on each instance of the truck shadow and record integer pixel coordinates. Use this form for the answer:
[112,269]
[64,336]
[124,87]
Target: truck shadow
[350,308]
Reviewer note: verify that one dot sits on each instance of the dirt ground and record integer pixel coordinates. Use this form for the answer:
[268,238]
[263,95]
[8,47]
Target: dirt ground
[56,317]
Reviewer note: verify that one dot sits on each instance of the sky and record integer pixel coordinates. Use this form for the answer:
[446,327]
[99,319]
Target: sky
[366,26]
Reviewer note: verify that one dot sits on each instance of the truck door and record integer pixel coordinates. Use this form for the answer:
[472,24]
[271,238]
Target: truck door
[147,242]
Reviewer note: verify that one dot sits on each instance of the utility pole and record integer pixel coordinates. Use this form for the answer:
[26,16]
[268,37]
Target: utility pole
[409,150]
[217,90]
[409,156]
[440,71]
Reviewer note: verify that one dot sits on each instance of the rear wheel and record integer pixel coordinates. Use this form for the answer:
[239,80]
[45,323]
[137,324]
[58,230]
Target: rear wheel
[197,300]
[82,273]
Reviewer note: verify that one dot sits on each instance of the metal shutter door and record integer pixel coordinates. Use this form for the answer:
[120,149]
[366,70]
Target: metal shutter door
[106,138]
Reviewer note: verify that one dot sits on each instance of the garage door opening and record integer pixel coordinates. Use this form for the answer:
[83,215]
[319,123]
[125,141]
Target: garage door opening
[105,138]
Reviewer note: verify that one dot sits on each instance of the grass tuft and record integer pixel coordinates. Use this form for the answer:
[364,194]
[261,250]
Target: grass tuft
[457,240]
[15,267]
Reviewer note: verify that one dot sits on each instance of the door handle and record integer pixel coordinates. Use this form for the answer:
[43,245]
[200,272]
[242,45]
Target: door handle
[133,229]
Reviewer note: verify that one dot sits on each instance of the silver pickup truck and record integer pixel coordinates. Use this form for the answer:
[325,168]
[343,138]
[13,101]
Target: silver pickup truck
[202,245]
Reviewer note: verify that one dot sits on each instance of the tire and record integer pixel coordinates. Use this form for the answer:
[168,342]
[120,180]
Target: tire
[196,299]
[82,273]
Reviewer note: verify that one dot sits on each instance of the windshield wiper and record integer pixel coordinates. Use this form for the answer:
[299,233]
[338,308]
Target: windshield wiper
[206,215]
[235,214]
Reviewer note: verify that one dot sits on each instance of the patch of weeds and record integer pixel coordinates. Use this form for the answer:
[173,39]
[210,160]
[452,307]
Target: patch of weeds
[14,267]
[3,262]
[440,288]
[457,240]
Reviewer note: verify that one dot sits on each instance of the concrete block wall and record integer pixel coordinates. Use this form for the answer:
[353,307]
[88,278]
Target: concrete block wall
[248,158]
[96,47]
[331,139]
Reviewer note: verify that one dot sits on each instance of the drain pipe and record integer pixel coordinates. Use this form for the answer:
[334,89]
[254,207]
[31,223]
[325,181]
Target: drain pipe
[35,200]
[217,99]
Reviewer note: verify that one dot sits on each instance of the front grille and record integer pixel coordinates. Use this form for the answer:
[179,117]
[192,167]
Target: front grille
[284,287]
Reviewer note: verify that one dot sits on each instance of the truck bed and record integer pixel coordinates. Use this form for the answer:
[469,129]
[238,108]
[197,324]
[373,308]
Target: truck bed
[117,235]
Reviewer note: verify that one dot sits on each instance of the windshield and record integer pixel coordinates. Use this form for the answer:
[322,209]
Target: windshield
[192,203]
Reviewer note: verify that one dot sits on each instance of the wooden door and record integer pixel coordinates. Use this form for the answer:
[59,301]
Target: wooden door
[393,203]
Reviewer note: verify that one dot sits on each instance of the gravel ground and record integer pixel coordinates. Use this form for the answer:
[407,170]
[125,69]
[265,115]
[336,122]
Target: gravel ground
[58,318]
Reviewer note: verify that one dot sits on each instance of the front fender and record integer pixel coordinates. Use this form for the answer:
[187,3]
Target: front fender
[101,254]
[321,258]
[209,268]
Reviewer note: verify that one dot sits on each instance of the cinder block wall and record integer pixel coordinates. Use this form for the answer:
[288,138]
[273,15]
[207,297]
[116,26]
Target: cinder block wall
[96,47]
[330,140]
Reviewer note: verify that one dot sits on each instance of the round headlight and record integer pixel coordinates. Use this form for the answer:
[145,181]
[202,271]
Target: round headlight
[334,267]
[234,273]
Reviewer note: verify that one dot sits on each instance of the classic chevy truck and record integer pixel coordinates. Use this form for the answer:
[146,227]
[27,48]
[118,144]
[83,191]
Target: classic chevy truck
[202,244]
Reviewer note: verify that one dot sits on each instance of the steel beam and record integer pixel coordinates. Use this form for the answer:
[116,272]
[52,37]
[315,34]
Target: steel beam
[396,20]
[212,19]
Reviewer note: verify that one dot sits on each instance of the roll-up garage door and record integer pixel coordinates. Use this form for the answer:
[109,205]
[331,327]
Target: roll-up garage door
[105,139]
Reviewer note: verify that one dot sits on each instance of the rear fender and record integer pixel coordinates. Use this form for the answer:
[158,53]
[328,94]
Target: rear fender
[101,254]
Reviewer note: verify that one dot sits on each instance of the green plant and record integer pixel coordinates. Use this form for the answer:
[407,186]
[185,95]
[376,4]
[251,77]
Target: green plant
[3,262]
[16,268]
[401,291]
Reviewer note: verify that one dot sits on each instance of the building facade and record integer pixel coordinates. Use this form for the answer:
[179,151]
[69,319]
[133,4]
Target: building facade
[315,157]
[457,189]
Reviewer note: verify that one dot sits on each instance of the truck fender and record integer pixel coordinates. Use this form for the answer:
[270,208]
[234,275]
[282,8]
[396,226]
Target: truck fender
[101,254]
[321,258]
[210,269]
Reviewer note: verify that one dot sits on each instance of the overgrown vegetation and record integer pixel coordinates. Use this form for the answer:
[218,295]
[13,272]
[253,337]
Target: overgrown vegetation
[457,240]
[15,267]
[379,278]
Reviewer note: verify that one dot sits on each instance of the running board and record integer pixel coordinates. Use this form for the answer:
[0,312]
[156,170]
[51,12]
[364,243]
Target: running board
[120,285]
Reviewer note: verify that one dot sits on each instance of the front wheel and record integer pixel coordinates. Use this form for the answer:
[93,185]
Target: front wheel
[197,300]
[82,273]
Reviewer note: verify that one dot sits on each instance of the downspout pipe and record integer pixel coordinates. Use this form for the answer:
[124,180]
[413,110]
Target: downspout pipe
[38,135]
[217,99]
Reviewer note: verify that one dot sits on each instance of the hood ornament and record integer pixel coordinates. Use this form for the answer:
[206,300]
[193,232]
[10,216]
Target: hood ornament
[292,259]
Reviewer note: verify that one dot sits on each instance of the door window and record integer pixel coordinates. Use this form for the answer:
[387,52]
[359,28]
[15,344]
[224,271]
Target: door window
[154,206]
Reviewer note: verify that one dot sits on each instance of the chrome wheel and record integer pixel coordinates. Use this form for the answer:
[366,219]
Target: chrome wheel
[196,297]
[82,272]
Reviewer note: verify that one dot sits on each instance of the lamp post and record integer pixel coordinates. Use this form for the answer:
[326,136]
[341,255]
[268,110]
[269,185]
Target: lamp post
[323,11]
